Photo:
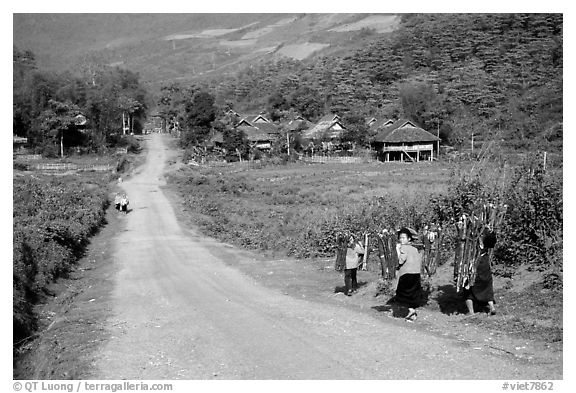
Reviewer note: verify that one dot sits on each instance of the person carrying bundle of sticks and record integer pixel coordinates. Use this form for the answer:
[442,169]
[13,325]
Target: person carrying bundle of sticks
[470,229]
[354,258]
[481,290]
[409,290]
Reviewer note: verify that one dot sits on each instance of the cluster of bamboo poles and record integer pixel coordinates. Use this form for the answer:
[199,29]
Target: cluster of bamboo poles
[469,229]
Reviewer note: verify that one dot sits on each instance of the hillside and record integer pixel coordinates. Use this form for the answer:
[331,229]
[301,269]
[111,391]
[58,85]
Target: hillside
[460,74]
[183,47]
[494,76]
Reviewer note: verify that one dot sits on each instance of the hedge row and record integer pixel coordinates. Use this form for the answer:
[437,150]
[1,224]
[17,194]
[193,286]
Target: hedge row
[53,220]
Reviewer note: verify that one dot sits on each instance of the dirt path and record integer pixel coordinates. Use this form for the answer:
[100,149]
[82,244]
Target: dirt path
[179,312]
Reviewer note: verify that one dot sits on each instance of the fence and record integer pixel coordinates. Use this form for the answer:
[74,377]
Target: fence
[28,157]
[340,160]
[72,167]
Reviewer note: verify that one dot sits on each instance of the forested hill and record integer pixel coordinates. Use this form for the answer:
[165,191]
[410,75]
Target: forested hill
[463,73]
[186,47]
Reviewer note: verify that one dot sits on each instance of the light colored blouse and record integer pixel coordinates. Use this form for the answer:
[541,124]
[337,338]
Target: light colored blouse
[410,260]
[354,256]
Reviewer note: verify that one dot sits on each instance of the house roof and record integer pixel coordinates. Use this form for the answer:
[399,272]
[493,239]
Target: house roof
[298,124]
[404,131]
[380,123]
[232,112]
[299,117]
[254,134]
[330,117]
[267,127]
[321,127]
[244,122]
[260,118]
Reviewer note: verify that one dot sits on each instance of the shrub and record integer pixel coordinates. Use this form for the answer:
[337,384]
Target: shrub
[52,223]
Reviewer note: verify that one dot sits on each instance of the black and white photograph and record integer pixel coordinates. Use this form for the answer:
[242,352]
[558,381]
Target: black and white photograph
[203,196]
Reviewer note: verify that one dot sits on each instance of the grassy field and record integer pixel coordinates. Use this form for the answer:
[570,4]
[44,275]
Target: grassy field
[290,208]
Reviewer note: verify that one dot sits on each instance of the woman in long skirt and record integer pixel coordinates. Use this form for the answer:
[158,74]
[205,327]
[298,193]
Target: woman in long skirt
[409,289]
[482,291]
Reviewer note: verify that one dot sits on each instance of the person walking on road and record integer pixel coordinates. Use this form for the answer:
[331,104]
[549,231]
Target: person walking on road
[354,257]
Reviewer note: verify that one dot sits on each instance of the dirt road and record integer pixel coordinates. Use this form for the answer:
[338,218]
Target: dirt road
[181,313]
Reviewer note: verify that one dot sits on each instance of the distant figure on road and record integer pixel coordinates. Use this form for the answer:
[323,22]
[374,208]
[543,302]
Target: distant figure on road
[482,291]
[117,200]
[409,289]
[354,257]
[124,203]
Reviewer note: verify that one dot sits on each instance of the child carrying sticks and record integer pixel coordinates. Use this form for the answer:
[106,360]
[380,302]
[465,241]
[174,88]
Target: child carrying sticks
[354,257]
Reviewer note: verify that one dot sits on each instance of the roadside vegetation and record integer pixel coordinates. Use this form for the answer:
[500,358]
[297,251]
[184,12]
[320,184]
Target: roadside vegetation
[298,210]
[53,221]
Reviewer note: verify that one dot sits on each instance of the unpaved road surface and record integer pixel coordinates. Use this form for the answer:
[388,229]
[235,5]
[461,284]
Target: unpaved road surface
[179,312]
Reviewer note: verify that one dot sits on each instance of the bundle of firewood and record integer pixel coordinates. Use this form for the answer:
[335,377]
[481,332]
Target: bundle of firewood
[469,229]
[387,253]
[431,240]
[341,245]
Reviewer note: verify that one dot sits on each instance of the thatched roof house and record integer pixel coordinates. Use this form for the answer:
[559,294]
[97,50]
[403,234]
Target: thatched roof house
[328,126]
[257,137]
[405,140]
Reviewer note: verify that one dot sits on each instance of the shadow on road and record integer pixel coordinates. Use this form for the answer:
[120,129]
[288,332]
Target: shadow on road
[450,301]
[342,288]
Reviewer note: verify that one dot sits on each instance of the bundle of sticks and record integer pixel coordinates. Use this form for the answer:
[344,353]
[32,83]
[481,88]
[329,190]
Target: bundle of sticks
[341,245]
[431,240]
[387,253]
[469,229]
[342,241]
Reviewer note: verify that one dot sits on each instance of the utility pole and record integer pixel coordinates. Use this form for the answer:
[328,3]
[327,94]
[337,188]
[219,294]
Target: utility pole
[438,141]
[61,144]
[544,161]
[472,143]
[288,143]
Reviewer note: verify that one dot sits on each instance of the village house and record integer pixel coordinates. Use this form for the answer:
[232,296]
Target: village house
[405,141]
[260,137]
[329,127]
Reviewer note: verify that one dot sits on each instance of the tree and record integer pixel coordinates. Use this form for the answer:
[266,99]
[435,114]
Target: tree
[235,141]
[129,106]
[307,102]
[356,129]
[57,121]
[199,113]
